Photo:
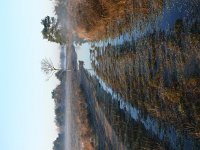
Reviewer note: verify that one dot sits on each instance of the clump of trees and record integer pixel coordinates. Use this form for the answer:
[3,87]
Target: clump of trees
[59,29]
[59,143]
[58,94]
[51,30]
[60,10]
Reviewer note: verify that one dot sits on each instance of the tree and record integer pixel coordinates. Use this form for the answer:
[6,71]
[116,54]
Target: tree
[51,30]
[48,68]
[59,143]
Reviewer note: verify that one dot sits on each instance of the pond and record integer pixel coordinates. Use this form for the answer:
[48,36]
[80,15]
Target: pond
[144,87]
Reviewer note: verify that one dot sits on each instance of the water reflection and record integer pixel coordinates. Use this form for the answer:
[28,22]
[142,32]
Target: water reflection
[111,122]
[154,67]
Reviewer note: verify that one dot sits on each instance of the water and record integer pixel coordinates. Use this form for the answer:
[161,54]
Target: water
[72,139]
[68,98]
[144,90]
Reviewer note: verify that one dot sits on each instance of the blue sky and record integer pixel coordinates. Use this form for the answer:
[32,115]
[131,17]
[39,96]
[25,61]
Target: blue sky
[26,107]
[83,54]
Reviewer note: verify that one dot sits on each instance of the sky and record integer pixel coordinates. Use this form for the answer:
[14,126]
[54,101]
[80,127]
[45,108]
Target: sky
[26,107]
[83,54]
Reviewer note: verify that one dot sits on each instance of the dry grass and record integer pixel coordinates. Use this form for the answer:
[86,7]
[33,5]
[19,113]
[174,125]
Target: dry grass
[172,95]
[97,19]
[84,129]
[168,101]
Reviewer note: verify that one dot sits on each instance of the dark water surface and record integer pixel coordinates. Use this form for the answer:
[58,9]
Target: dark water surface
[144,92]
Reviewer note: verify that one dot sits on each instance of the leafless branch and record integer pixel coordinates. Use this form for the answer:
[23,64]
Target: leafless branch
[47,67]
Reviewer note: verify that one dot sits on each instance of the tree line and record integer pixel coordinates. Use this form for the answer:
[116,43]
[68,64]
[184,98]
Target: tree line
[58,94]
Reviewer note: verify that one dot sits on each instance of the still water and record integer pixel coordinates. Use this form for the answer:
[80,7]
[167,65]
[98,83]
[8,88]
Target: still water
[144,89]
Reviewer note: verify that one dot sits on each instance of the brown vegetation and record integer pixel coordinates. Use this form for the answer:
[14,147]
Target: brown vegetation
[98,19]
[114,129]
[157,74]
[80,116]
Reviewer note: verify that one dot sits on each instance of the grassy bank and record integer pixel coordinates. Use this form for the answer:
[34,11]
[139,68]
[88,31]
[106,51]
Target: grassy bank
[99,19]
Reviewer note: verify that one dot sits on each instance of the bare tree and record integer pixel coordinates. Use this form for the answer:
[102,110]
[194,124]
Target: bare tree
[48,68]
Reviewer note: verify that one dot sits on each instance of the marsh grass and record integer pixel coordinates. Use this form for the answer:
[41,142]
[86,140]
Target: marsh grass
[100,19]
